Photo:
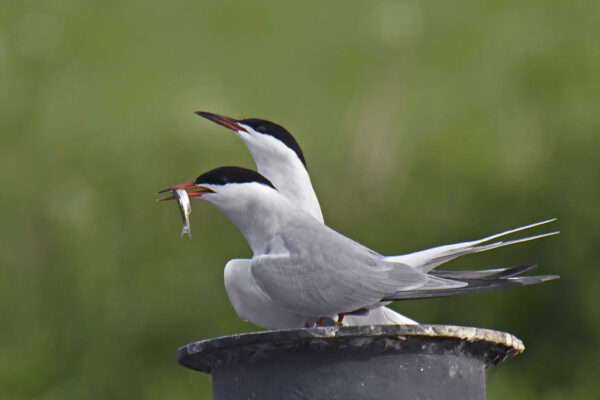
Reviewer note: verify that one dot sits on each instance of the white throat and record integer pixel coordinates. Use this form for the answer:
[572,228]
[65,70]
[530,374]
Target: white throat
[283,168]
[258,211]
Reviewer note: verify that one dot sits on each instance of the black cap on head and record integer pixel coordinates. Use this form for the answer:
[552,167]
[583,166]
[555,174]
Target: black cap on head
[225,175]
[277,131]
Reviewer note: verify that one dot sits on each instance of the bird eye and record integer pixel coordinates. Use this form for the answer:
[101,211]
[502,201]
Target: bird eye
[261,128]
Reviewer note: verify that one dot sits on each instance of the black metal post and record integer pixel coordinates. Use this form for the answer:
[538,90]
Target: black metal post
[357,362]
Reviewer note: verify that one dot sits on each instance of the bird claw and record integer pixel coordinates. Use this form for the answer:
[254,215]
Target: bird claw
[325,321]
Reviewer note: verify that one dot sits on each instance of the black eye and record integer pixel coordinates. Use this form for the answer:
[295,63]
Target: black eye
[261,129]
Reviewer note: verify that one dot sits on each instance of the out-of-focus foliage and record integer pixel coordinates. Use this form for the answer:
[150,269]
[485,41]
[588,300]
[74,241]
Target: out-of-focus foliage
[422,122]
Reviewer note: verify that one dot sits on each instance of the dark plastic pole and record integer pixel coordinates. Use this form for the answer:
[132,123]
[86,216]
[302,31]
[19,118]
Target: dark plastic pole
[357,362]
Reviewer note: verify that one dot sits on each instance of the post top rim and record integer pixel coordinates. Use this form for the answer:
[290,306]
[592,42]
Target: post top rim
[491,345]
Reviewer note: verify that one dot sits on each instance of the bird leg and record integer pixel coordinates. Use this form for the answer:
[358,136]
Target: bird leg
[340,319]
[320,321]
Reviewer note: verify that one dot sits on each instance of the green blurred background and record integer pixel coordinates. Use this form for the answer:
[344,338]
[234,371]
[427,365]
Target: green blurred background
[422,123]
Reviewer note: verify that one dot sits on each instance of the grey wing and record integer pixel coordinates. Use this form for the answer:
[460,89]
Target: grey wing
[251,303]
[323,273]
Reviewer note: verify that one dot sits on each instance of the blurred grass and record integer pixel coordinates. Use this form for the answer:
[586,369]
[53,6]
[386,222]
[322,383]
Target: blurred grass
[452,120]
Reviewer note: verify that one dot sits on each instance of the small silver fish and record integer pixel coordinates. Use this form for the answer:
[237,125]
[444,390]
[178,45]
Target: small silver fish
[186,208]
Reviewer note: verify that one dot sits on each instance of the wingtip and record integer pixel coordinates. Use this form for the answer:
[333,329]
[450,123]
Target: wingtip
[547,278]
[532,280]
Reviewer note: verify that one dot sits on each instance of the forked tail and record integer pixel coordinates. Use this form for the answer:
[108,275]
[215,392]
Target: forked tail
[427,260]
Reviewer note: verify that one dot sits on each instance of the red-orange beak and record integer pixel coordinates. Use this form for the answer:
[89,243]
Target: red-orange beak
[190,187]
[222,120]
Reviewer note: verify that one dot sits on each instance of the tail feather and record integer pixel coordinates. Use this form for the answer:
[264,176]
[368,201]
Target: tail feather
[427,260]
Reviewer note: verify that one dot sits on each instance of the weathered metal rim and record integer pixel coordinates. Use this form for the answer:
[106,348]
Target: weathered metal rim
[190,354]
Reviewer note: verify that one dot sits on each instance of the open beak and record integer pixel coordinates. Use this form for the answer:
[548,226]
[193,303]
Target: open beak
[192,189]
[222,120]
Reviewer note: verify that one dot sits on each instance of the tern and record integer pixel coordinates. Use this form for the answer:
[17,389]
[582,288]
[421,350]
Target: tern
[280,159]
[303,271]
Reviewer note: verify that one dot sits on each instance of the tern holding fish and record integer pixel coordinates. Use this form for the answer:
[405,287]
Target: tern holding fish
[280,159]
[302,270]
